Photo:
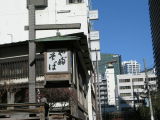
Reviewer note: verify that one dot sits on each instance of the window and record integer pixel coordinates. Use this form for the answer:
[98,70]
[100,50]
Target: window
[137,79]
[125,94]
[75,1]
[124,80]
[125,87]
[126,101]
[104,81]
[152,79]
[102,90]
[138,86]
[152,86]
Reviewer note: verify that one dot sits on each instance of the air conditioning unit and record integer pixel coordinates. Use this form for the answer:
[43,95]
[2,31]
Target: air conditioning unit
[41,4]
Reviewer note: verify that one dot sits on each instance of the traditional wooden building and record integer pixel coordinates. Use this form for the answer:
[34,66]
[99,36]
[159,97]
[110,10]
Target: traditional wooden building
[61,62]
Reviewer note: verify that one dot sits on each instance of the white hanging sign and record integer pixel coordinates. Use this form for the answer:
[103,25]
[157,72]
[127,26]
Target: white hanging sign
[93,14]
[95,45]
[95,55]
[57,61]
[94,35]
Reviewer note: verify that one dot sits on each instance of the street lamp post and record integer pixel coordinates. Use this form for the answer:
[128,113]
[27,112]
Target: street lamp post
[148,91]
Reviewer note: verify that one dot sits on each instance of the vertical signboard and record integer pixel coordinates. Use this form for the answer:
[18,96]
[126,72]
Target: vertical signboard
[94,54]
[57,61]
[94,35]
[93,14]
[95,45]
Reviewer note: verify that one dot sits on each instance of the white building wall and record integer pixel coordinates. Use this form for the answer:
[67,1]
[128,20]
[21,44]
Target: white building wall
[89,102]
[111,86]
[14,16]
[130,82]
[107,90]
[130,67]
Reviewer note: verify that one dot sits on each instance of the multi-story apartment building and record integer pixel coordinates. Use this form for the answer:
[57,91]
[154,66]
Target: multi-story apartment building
[154,8]
[74,43]
[131,88]
[130,67]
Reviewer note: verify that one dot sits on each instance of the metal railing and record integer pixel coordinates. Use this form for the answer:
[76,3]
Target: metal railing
[17,68]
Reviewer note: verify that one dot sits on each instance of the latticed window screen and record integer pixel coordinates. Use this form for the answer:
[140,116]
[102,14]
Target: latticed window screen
[17,68]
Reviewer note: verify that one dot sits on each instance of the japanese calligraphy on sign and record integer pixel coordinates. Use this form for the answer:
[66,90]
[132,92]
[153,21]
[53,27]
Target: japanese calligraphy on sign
[57,61]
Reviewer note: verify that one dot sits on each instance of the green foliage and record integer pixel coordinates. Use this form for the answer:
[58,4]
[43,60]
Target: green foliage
[156,104]
[143,113]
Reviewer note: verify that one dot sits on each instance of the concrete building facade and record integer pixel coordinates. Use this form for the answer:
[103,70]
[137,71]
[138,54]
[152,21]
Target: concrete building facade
[154,9]
[130,67]
[131,88]
[56,12]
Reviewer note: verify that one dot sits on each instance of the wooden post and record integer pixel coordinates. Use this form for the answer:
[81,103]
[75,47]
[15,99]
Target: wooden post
[10,99]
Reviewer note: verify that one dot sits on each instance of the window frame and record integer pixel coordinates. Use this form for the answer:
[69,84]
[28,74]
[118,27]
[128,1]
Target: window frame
[76,2]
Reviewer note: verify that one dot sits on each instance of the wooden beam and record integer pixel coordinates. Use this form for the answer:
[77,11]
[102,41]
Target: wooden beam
[55,26]
[21,105]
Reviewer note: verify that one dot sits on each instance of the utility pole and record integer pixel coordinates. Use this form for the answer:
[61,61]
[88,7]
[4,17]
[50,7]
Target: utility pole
[32,54]
[148,91]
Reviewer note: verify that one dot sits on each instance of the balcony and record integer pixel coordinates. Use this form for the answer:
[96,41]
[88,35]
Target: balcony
[103,88]
[104,97]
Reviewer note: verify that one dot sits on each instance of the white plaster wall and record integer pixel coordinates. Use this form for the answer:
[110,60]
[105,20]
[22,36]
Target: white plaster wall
[130,76]
[14,16]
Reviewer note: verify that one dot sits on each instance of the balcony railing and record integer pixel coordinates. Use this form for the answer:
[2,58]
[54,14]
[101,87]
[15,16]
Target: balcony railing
[17,68]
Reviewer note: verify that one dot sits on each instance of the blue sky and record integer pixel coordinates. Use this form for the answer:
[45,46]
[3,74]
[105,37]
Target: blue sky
[125,29]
